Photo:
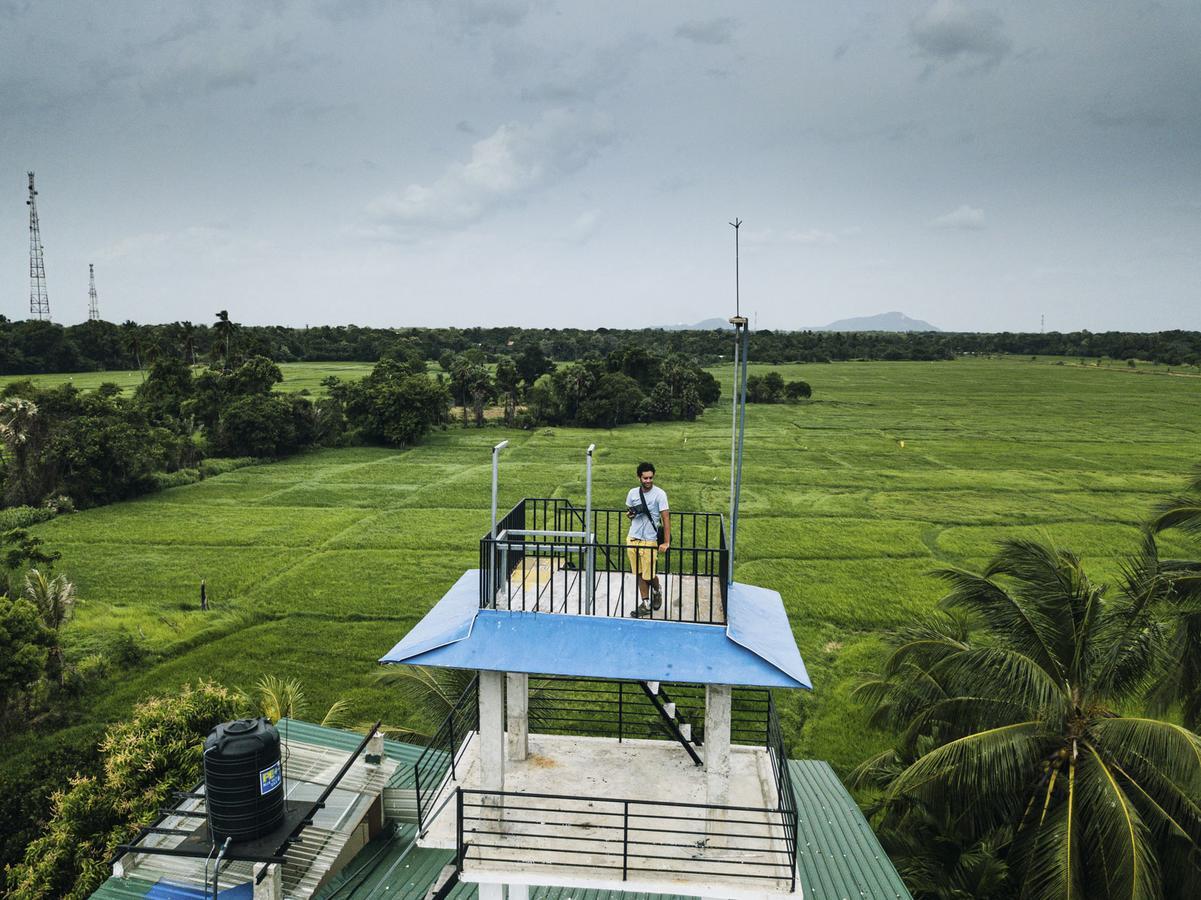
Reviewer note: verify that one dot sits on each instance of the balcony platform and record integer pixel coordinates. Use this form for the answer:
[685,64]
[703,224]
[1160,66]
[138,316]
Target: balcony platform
[558,586]
[564,821]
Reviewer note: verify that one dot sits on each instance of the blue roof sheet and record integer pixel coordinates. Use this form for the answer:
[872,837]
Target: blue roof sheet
[756,650]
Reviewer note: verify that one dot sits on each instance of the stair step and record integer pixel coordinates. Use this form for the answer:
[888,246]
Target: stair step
[670,709]
[686,730]
[654,686]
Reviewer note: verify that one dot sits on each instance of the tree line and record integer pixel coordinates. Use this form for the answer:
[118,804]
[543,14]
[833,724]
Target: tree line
[36,347]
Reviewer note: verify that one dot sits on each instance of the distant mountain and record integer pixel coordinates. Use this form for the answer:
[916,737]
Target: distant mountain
[889,321]
[706,325]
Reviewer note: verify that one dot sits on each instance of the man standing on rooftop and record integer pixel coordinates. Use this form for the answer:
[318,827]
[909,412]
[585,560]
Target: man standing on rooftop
[650,535]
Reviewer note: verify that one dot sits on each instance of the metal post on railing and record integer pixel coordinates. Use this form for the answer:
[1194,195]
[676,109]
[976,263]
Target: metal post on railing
[589,538]
[460,850]
[625,840]
[621,689]
[490,575]
[450,738]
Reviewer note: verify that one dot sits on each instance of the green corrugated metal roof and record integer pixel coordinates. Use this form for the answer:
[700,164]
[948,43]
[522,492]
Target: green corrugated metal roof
[319,736]
[839,857]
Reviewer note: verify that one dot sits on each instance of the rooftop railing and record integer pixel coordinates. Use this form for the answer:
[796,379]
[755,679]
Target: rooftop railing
[548,555]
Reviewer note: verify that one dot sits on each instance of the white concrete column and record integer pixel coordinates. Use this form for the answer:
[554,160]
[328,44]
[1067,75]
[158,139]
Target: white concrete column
[517,699]
[519,891]
[492,740]
[492,731]
[272,885]
[491,891]
[718,701]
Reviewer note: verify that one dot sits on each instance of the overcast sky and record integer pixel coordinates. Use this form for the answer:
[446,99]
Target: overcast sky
[544,163]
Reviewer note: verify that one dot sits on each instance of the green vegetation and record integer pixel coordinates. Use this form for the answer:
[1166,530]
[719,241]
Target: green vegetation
[318,563]
[1013,742]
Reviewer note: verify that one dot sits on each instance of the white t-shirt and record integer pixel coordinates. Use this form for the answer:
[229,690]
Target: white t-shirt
[641,528]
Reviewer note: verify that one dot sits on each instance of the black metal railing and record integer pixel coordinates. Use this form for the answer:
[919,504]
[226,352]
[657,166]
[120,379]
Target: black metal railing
[633,837]
[559,571]
[778,754]
[441,757]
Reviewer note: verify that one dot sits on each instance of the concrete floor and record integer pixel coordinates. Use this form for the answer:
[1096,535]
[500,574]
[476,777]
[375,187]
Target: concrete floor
[578,839]
[544,585]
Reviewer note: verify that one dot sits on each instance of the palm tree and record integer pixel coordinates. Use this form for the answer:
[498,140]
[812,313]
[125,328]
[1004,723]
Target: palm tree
[1023,727]
[188,335]
[278,698]
[224,329]
[55,601]
[1182,583]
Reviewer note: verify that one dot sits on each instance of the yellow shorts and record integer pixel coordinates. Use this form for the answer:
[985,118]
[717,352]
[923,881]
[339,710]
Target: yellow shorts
[642,558]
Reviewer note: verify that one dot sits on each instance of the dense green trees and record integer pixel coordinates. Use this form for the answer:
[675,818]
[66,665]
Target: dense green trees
[25,646]
[1017,731]
[396,404]
[31,346]
[156,751]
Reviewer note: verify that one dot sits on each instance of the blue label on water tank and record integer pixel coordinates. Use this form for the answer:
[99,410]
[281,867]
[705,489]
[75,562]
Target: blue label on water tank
[270,778]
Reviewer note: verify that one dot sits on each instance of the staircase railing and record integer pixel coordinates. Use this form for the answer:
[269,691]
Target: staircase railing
[441,756]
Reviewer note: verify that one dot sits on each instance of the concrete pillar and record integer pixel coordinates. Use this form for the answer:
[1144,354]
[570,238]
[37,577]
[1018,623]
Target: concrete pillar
[492,740]
[718,702]
[517,698]
[272,885]
[519,891]
[491,891]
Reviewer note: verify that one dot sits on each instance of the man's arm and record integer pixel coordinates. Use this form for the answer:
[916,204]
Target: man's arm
[666,516]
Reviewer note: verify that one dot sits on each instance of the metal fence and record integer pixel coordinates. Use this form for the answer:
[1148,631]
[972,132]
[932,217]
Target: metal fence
[540,560]
[634,837]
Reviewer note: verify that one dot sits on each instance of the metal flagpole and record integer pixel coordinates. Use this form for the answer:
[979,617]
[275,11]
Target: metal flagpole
[738,427]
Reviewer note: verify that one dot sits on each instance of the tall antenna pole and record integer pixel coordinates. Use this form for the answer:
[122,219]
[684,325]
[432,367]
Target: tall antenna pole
[93,308]
[39,302]
[738,427]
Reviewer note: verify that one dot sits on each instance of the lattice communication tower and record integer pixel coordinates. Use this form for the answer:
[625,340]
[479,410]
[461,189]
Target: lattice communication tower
[39,302]
[93,308]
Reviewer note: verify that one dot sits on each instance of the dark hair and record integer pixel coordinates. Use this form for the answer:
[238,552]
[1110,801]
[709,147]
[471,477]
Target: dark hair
[645,467]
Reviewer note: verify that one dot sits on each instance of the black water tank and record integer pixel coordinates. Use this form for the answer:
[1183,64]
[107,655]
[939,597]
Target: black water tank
[243,780]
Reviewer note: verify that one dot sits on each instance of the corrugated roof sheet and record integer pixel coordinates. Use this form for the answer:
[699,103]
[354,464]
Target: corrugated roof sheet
[335,739]
[839,857]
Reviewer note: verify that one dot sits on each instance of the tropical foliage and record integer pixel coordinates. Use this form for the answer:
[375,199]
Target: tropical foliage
[1012,709]
[1181,581]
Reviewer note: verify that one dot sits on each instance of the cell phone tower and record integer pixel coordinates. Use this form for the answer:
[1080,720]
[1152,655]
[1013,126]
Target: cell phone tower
[39,302]
[93,308]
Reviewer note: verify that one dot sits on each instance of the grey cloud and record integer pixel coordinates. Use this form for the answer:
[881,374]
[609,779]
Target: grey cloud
[504,168]
[949,32]
[964,218]
[340,11]
[1130,118]
[583,76]
[713,32]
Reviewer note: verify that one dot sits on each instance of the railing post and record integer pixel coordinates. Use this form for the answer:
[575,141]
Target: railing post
[451,741]
[417,793]
[625,840]
[460,851]
[621,690]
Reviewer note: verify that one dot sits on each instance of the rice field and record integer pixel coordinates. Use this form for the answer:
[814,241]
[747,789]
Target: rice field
[317,564]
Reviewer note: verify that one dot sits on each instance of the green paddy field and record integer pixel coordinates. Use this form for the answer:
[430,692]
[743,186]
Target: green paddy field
[317,564]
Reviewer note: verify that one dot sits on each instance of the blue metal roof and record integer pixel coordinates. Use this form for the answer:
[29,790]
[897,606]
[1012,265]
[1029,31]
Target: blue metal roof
[756,649]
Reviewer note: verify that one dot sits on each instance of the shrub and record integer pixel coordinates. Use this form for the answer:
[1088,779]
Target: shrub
[24,516]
